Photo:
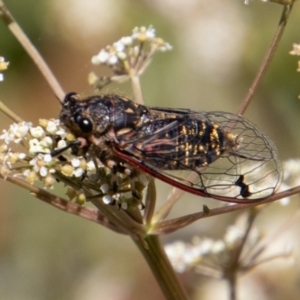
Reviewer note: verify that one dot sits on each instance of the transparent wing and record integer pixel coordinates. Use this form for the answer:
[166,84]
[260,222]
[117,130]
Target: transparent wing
[212,154]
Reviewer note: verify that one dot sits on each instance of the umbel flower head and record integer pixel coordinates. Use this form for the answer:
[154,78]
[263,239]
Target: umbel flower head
[85,175]
[129,56]
[240,250]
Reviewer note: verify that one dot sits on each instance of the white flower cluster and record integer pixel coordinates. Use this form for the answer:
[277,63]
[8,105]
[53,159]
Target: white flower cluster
[38,163]
[130,55]
[80,173]
[130,46]
[210,253]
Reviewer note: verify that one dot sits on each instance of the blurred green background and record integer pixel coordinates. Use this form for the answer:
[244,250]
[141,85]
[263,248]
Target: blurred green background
[218,46]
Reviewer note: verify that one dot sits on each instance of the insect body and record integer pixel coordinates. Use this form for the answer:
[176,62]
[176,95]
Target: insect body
[212,154]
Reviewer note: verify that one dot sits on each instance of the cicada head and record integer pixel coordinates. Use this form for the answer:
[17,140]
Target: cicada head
[85,117]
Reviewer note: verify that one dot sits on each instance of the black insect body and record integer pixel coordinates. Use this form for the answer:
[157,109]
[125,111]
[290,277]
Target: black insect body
[211,154]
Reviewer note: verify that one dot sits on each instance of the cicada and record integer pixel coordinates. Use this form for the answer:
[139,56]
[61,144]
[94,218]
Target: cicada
[211,154]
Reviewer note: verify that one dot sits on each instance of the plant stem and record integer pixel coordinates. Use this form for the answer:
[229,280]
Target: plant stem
[161,268]
[171,225]
[232,286]
[267,59]
[10,113]
[137,90]
[19,34]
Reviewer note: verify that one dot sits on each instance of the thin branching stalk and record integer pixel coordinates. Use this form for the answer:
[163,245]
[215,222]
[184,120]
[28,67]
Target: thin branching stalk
[7,111]
[232,286]
[168,226]
[63,204]
[137,90]
[19,34]
[150,201]
[267,59]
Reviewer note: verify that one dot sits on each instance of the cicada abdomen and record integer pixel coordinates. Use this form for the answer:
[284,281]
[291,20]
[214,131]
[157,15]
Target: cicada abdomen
[212,154]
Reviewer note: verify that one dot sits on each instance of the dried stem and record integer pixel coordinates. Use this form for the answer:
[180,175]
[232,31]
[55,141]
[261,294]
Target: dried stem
[168,226]
[63,204]
[10,113]
[16,30]
[267,59]
[137,90]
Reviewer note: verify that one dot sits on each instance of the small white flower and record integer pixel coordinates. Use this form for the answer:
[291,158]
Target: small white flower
[43,171]
[78,172]
[176,253]
[61,132]
[113,59]
[26,172]
[61,144]
[75,162]
[52,127]
[119,46]
[91,168]
[107,199]
[37,132]
[233,234]
[165,47]
[34,146]
[22,155]
[296,49]
[46,142]
[127,40]
[3,66]
[150,33]
[206,246]
[23,129]
[122,55]
[100,58]
[47,158]
[143,34]
[218,246]
[15,133]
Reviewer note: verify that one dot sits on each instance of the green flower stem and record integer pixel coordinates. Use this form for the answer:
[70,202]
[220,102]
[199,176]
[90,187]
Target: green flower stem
[163,271]
[150,201]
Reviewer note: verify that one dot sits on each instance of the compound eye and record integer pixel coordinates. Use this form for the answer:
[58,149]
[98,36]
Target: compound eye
[84,124]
